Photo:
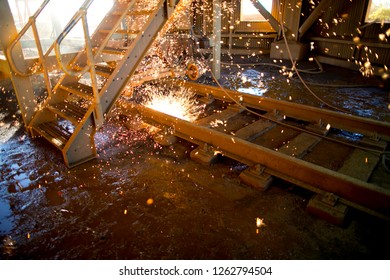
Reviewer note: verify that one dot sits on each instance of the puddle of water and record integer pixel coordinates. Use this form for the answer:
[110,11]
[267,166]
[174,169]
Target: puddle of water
[6,222]
[253,91]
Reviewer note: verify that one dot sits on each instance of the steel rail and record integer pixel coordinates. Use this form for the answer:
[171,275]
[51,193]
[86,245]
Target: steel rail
[346,187]
[370,127]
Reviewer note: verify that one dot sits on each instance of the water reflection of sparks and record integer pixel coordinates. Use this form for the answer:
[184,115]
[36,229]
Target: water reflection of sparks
[259,223]
[179,103]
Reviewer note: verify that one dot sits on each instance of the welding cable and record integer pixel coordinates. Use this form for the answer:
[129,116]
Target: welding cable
[376,152]
[384,162]
[299,75]
[306,85]
[335,85]
[373,151]
[317,70]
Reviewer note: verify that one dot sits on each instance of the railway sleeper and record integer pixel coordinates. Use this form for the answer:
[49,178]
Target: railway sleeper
[256,177]
[328,207]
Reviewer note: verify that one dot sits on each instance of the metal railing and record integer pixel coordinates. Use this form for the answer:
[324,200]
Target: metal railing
[42,57]
[81,14]
[37,68]
[91,54]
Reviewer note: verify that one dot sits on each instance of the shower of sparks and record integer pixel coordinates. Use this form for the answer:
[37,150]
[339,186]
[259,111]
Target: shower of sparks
[179,103]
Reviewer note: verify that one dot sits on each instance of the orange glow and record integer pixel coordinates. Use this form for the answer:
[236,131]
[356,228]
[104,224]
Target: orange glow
[179,103]
[150,201]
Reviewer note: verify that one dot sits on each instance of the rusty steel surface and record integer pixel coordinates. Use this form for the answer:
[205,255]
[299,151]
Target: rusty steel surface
[369,127]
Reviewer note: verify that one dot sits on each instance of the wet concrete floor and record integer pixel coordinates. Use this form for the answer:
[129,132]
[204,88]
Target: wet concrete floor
[139,200]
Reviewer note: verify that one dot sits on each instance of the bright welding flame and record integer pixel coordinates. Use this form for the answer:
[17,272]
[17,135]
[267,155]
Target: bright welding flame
[179,103]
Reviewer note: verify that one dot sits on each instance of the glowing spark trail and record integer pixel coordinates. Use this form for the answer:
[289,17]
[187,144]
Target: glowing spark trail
[180,103]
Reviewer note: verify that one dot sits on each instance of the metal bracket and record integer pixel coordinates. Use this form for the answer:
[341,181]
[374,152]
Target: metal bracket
[331,199]
[170,7]
[258,169]
[375,137]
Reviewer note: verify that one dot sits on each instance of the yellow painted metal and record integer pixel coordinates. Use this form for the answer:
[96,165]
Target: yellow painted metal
[79,146]
[80,15]
[370,127]
[300,172]
[31,24]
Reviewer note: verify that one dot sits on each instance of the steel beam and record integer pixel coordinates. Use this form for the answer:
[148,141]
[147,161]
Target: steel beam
[369,127]
[314,15]
[346,187]
[263,11]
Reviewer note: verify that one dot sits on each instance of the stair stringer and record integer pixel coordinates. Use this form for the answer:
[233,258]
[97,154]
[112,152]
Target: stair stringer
[131,59]
[81,146]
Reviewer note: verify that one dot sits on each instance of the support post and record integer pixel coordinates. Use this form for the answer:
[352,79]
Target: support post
[290,17]
[217,23]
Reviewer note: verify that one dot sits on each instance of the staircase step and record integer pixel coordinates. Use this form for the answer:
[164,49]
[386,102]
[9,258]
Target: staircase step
[70,124]
[80,89]
[54,133]
[69,111]
[116,51]
[104,70]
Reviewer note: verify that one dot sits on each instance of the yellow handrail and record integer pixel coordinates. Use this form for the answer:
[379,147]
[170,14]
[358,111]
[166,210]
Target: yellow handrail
[31,23]
[81,14]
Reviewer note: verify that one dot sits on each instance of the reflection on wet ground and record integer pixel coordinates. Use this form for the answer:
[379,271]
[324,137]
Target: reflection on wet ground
[6,218]
[139,200]
[345,89]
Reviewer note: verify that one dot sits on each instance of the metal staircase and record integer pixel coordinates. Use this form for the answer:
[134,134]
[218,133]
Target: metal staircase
[93,80]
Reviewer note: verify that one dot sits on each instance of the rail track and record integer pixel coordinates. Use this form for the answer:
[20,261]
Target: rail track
[339,157]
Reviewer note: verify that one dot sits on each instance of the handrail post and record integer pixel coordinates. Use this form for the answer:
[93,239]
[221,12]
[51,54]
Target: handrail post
[99,119]
[22,84]
[75,19]
[13,43]
[42,59]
